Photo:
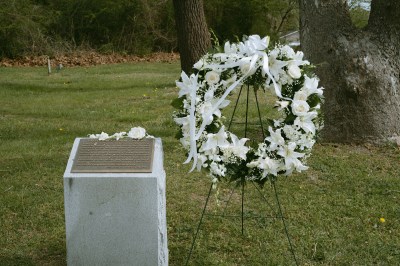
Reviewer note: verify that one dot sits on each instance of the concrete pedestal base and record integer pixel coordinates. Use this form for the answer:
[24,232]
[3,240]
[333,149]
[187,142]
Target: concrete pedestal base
[116,218]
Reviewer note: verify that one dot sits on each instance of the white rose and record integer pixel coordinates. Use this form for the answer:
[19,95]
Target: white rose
[300,108]
[300,96]
[137,133]
[245,66]
[103,136]
[294,71]
[212,77]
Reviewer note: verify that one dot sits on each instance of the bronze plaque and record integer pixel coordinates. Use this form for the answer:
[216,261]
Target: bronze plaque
[114,156]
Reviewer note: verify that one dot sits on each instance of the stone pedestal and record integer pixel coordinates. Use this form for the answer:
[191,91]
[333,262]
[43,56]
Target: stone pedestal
[116,218]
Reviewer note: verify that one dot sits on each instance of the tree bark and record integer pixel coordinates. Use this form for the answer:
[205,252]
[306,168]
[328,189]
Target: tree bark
[360,68]
[193,34]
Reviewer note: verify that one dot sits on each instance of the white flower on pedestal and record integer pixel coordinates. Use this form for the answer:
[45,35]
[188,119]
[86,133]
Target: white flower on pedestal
[103,136]
[212,154]
[119,135]
[137,133]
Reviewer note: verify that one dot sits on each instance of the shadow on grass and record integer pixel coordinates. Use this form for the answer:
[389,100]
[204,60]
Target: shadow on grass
[16,260]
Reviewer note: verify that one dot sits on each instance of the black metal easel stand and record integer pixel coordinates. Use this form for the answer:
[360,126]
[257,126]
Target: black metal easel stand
[280,214]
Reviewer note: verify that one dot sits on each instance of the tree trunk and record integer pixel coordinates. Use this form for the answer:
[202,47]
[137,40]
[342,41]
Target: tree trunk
[193,35]
[360,68]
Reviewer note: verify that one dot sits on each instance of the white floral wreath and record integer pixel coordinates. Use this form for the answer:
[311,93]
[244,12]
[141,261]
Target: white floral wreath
[203,94]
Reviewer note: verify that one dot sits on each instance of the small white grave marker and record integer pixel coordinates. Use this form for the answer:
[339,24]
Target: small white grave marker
[116,218]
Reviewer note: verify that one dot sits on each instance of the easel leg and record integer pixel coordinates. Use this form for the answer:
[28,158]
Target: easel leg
[284,223]
[242,208]
[199,225]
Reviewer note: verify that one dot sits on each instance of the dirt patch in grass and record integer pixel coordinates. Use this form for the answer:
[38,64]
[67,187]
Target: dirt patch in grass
[87,59]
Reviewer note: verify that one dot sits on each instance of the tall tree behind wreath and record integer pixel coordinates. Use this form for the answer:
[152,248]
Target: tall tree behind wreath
[203,96]
[193,35]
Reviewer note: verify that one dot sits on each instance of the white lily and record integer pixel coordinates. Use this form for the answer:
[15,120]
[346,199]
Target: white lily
[216,140]
[238,147]
[298,59]
[270,166]
[207,110]
[291,158]
[281,105]
[276,66]
[311,86]
[119,135]
[305,122]
[188,84]
[276,140]
[184,122]
[199,64]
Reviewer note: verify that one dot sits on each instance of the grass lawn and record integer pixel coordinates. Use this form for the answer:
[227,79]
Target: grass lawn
[333,210]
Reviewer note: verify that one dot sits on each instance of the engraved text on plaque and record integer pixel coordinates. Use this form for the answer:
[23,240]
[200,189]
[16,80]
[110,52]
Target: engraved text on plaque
[112,156]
